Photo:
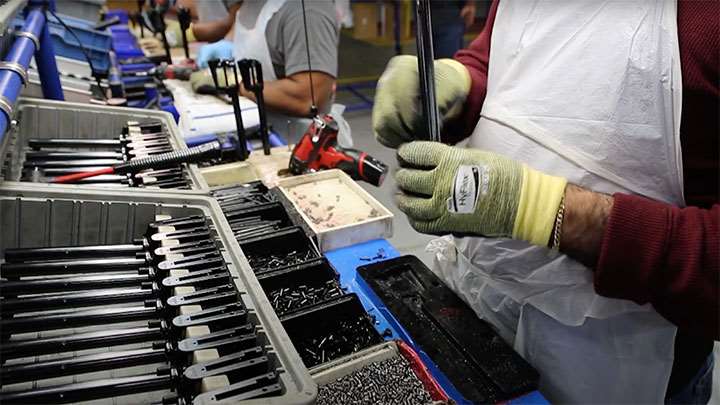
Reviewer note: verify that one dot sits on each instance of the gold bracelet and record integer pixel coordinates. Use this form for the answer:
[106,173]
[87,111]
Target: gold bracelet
[557,230]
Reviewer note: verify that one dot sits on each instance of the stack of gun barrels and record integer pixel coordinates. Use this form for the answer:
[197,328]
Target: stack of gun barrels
[48,158]
[302,286]
[160,318]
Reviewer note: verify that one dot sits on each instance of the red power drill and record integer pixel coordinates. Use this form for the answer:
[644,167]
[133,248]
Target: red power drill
[318,150]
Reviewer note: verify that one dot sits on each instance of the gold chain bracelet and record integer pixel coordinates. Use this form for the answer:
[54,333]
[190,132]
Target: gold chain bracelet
[557,230]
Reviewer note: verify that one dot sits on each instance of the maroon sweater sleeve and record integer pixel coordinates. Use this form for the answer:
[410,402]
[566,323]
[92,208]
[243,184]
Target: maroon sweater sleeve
[668,256]
[475,58]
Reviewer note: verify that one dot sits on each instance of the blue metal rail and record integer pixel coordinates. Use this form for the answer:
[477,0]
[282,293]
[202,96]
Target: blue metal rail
[32,39]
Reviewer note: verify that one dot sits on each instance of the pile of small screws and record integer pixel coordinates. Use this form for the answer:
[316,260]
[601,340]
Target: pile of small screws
[348,336]
[285,300]
[331,203]
[387,382]
[261,263]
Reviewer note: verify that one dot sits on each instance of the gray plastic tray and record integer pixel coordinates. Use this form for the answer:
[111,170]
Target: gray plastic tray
[43,216]
[53,119]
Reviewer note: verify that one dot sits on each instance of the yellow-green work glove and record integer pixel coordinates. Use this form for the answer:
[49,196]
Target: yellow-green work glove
[447,189]
[397,112]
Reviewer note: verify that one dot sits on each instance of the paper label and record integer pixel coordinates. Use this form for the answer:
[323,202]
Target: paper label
[470,183]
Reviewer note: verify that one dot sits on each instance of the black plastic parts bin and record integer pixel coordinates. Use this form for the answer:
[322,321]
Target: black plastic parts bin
[296,287]
[467,349]
[283,248]
[330,330]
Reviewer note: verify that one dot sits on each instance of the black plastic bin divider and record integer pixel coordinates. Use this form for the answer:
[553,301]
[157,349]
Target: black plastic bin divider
[295,216]
[255,195]
[242,194]
[233,189]
[296,287]
[465,348]
[283,248]
[237,206]
[273,211]
[330,330]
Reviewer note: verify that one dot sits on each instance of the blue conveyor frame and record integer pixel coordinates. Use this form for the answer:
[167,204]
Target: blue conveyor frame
[33,39]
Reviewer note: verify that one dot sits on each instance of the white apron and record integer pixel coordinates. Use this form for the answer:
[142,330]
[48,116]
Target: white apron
[249,38]
[587,90]
[249,41]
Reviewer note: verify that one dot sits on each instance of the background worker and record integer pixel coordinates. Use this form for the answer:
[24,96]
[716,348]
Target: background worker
[201,12]
[273,32]
[450,20]
[585,98]
[204,10]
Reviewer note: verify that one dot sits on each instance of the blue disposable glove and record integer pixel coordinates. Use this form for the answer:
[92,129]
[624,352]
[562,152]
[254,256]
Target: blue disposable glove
[222,49]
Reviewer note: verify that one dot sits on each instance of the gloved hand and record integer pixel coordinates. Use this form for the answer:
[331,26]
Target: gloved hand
[454,190]
[222,49]
[173,33]
[397,113]
[202,81]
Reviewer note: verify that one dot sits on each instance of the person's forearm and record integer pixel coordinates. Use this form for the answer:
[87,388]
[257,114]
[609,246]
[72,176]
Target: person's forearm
[213,31]
[584,223]
[291,95]
[665,255]
[210,31]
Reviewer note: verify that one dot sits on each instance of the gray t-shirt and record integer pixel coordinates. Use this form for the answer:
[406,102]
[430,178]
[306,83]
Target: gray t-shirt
[285,35]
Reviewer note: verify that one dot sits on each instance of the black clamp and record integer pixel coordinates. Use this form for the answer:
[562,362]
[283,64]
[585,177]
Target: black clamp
[228,67]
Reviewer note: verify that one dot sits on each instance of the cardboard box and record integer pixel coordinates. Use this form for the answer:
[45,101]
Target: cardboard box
[365,20]
[405,19]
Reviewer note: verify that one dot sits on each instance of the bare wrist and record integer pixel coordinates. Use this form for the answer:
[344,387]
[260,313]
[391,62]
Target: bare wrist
[585,219]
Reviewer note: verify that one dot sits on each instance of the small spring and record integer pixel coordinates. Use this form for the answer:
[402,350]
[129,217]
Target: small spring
[198,153]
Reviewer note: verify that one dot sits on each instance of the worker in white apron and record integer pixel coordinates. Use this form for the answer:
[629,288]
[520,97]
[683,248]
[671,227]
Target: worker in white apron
[586,93]
[250,42]
[254,31]
[204,10]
